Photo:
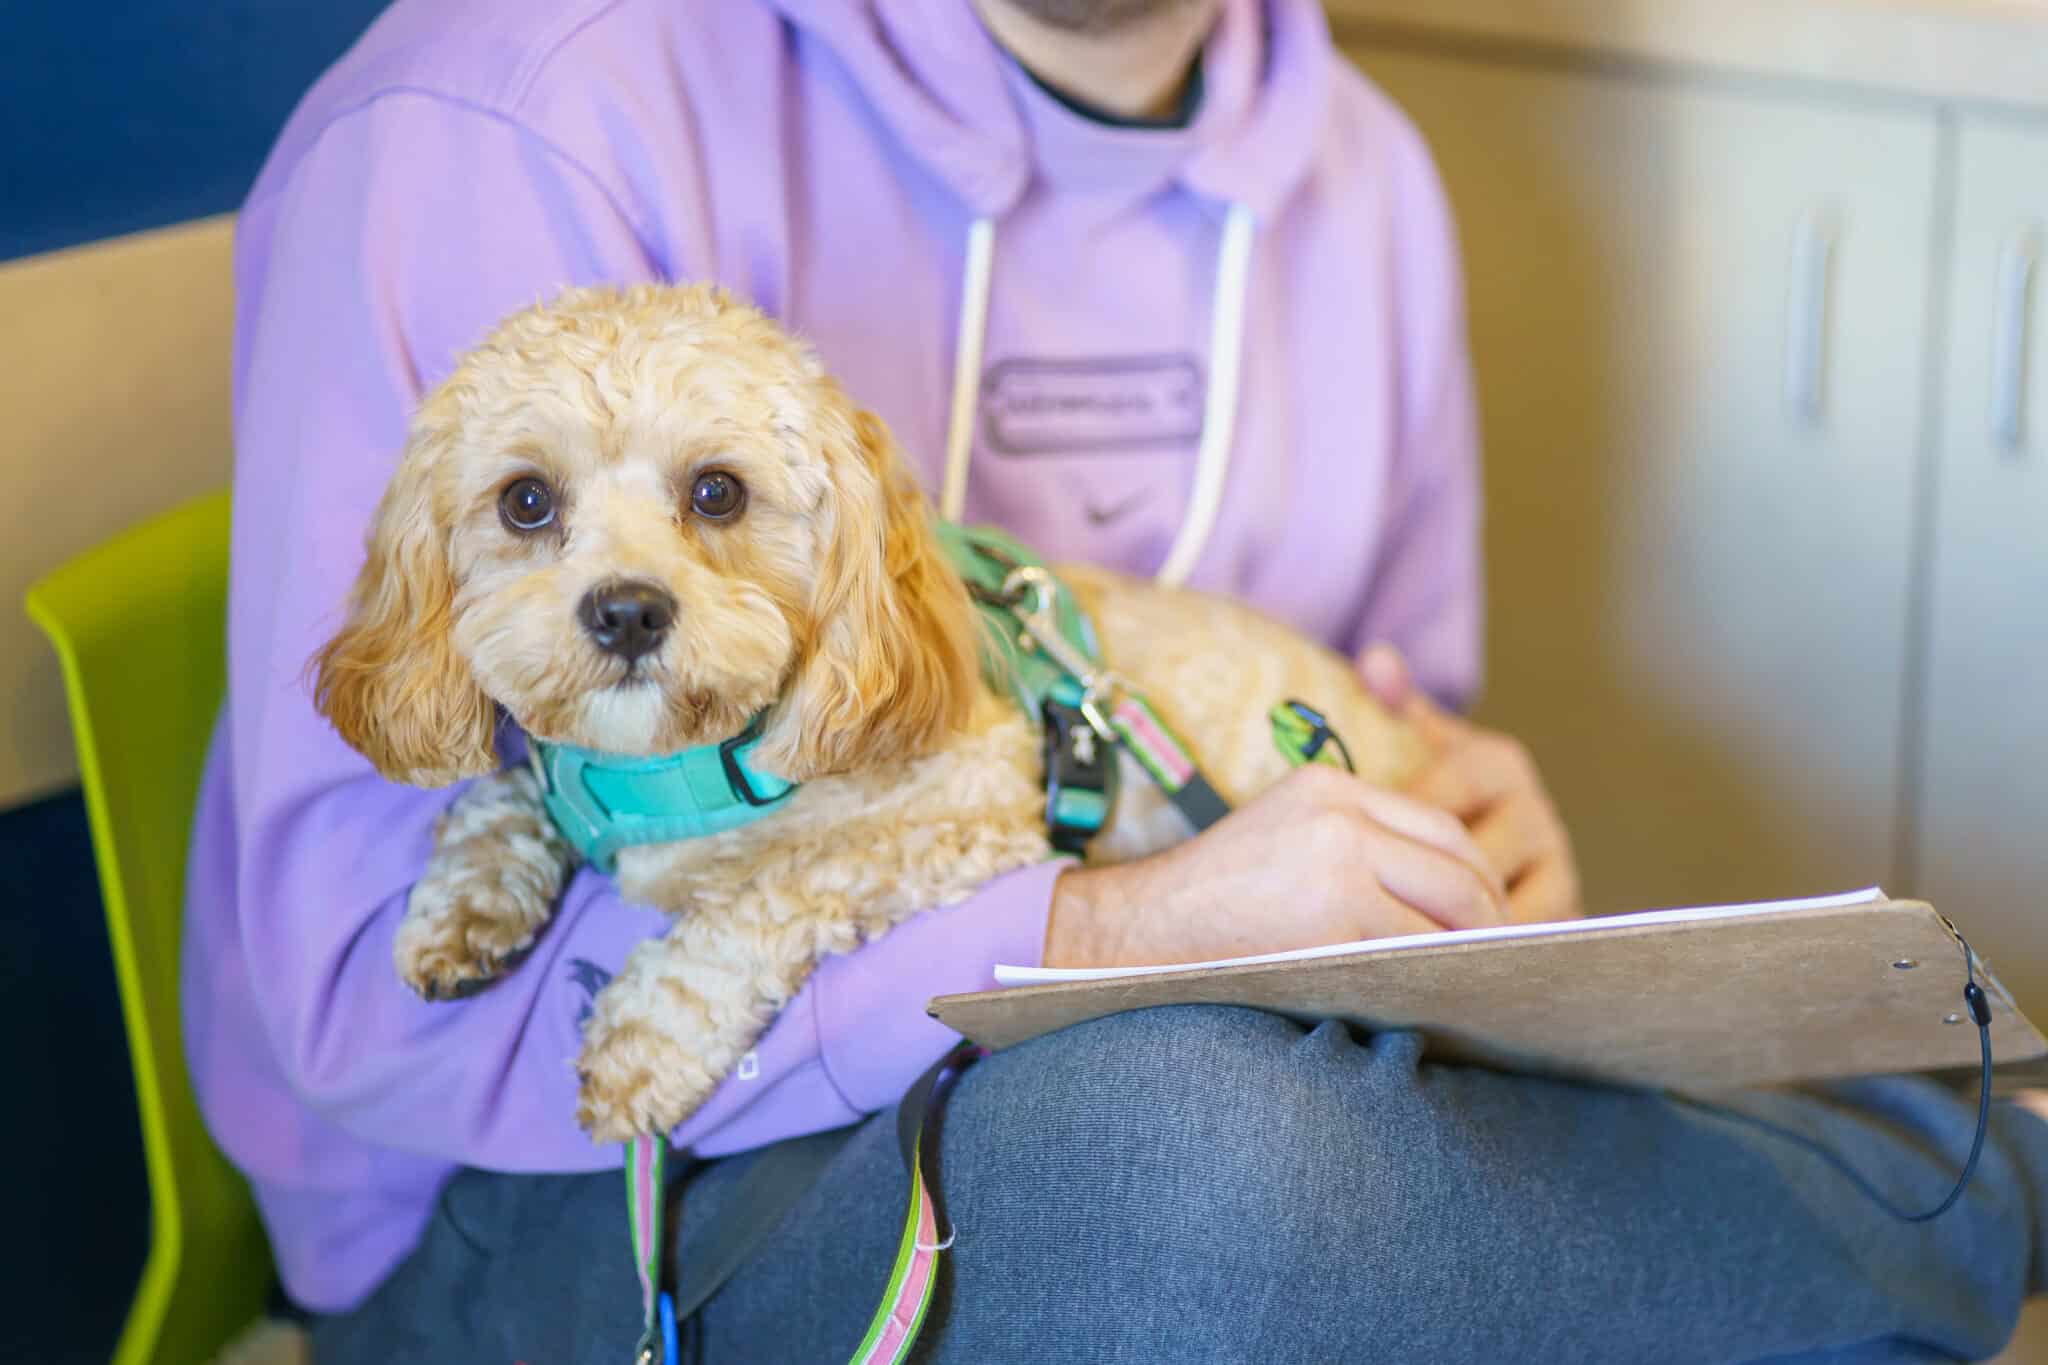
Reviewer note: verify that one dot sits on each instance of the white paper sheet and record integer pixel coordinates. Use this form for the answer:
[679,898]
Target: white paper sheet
[1026,976]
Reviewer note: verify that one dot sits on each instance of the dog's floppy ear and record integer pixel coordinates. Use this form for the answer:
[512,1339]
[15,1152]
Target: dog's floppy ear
[889,667]
[390,681]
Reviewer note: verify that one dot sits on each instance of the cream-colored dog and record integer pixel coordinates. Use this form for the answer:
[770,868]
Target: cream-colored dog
[636,520]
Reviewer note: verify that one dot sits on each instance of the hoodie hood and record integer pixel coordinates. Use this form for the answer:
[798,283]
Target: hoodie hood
[960,106]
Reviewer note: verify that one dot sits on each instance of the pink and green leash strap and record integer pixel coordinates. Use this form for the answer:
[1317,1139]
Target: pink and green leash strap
[900,1315]
[646,1165]
[1165,758]
[907,1296]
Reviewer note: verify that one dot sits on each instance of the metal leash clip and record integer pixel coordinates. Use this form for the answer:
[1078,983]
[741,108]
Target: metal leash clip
[659,1342]
[1029,596]
[1032,598]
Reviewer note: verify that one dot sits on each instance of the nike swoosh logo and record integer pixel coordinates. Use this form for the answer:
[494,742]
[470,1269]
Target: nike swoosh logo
[1102,516]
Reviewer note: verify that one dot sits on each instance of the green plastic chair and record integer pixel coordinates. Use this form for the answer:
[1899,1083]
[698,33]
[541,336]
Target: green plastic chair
[139,624]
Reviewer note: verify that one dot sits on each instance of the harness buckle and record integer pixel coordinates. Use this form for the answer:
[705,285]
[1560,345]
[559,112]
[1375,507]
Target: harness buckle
[735,775]
[1077,776]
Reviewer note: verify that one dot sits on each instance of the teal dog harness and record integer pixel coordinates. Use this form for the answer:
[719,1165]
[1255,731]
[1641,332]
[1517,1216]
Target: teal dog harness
[1078,771]
[605,802]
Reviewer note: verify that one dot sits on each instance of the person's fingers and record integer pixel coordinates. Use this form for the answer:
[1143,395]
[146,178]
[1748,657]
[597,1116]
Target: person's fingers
[1450,891]
[1425,824]
[1473,775]
[1514,834]
[1389,917]
[1547,892]
[1385,675]
[1453,783]
[1441,731]
[1388,679]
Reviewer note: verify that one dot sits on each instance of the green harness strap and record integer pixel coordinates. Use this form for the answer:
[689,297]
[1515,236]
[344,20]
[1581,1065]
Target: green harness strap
[1044,641]
[985,558]
[1080,775]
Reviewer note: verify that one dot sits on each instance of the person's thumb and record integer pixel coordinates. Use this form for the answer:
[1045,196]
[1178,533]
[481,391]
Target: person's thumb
[1386,676]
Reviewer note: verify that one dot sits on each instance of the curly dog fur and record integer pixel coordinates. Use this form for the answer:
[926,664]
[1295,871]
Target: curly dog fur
[824,605]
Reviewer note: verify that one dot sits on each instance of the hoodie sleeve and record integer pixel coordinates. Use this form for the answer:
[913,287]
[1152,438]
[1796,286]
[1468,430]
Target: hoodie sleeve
[1426,595]
[400,233]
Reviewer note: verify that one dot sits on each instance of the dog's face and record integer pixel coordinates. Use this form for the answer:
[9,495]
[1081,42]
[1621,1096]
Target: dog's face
[635,520]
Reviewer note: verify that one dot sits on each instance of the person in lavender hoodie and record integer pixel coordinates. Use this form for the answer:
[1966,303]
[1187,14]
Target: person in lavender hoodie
[1074,244]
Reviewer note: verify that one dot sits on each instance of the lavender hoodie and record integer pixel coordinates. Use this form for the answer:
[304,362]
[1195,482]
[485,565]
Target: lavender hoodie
[826,158]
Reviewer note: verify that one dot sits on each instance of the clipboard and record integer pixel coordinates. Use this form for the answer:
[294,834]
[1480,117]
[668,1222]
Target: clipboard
[1702,1000]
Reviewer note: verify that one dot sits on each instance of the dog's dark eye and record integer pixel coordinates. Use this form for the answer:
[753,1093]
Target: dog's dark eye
[527,505]
[717,496]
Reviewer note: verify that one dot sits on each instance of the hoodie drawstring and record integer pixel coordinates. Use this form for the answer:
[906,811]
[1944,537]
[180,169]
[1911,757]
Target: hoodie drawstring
[974,286]
[1219,415]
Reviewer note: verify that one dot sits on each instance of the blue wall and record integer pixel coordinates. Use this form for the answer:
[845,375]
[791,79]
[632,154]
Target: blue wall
[139,113]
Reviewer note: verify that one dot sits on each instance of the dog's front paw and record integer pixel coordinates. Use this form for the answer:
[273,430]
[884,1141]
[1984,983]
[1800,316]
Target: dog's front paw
[458,946]
[636,1080]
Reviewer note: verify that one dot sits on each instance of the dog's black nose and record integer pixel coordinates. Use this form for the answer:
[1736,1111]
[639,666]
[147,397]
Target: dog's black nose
[626,618]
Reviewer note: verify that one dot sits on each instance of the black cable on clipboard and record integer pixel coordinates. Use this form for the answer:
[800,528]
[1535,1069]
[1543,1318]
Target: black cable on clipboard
[1980,1014]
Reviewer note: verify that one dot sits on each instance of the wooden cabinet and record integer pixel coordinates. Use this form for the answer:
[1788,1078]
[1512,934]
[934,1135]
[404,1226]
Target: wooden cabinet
[1982,804]
[1696,316]
[1765,401]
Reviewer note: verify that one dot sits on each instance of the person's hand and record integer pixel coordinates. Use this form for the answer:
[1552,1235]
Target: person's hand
[1489,781]
[1318,858]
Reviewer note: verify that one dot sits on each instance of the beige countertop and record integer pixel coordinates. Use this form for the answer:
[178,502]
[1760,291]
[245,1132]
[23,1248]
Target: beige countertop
[1978,51]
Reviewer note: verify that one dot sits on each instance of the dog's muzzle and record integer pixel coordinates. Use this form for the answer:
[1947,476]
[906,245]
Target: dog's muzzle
[627,618]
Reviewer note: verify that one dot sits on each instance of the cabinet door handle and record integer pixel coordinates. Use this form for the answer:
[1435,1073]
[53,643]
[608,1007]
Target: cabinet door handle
[1806,330]
[2009,329]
